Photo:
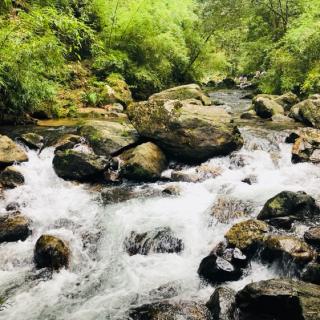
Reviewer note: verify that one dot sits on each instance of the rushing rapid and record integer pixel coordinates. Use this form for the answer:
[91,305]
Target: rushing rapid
[103,281]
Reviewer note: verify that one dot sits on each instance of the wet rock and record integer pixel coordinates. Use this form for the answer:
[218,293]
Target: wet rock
[207,171]
[10,152]
[226,209]
[51,252]
[172,190]
[190,91]
[311,273]
[109,137]
[75,165]
[306,147]
[287,100]
[124,192]
[160,240]
[250,180]
[248,115]
[32,140]
[222,304]
[143,163]
[166,291]
[215,269]
[171,311]
[265,107]
[312,236]
[287,207]
[13,206]
[67,141]
[186,132]
[11,177]
[184,176]
[247,235]
[14,227]
[238,160]
[285,248]
[292,137]
[307,112]
[280,299]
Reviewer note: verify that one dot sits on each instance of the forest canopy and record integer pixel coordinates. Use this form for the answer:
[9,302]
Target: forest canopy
[151,44]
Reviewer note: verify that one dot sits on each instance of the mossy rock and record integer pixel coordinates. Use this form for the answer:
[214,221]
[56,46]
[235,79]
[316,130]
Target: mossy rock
[11,177]
[14,227]
[247,235]
[266,107]
[10,152]
[32,140]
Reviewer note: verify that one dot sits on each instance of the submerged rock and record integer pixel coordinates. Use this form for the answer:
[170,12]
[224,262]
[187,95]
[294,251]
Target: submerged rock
[186,132]
[14,227]
[32,140]
[51,252]
[280,299]
[10,152]
[185,92]
[160,240]
[171,311]
[286,207]
[11,177]
[222,304]
[247,235]
[145,162]
[109,137]
[75,165]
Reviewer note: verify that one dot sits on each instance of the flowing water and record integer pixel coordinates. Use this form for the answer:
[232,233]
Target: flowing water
[103,281]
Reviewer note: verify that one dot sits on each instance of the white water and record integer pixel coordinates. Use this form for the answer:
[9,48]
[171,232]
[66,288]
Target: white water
[103,282]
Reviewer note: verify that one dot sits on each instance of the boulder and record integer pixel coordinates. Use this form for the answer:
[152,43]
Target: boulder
[75,165]
[222,304]
[311,273]
[32,140]
[14,227]
[67,141]
[10,152]
[306,146]
[186,132]
[109,137]
[280,299]
[287,100]
[215,269]
[286,207]
[266,107]
[51,252]
[285,248]
[248,115]
[145,162]
[247,235]
[121,90]
[312,236]
[171,311]
[185,92]
[226,209]
[11,177]
[307,112]
[160,240]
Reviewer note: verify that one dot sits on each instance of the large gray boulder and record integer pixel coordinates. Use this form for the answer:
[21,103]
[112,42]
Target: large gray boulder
[185,92]
[10,152]
[280,299]
[109,137]
[184,131]
[143,163]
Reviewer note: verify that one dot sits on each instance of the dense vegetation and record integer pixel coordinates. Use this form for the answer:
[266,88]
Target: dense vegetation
[58,53]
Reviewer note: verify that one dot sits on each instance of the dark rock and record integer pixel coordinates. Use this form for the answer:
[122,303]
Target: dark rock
[10,152]
[145,162]
[266,107]
[248,115]
[312,236]
[247,235]
[13,206]
[172,190]
[51,252]
[280,299]
[215,269]
[14,227]
[68,141]
[11,178]
[160,240]
[75,165]
[32,140]
[290,205]
[166,291]
[311,273]
[250,180]
[222,304]
[292,137]
[171,311]
[189,133]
